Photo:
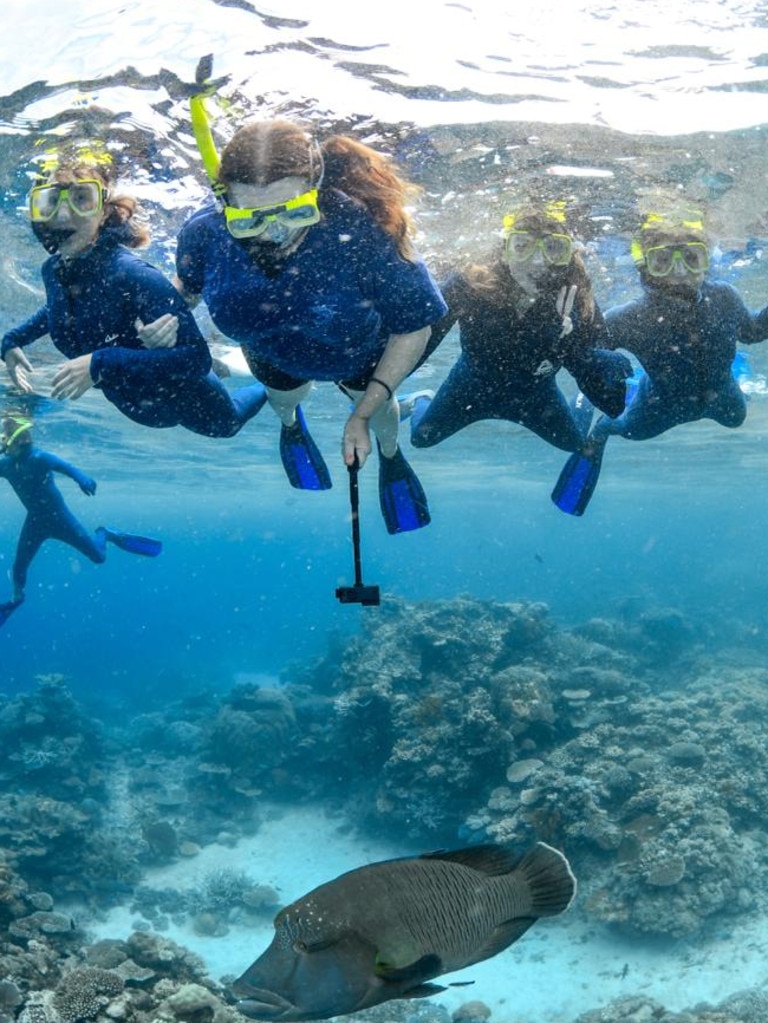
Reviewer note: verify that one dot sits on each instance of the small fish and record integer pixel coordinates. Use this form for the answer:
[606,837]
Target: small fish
[387,929]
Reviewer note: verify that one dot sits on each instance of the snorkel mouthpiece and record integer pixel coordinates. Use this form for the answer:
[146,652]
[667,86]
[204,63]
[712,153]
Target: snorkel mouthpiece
[51,237]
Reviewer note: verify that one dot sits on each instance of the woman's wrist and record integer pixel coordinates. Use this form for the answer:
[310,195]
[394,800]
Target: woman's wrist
[383,385]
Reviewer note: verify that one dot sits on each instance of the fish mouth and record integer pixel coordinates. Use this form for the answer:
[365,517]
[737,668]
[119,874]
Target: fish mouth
[262,1004]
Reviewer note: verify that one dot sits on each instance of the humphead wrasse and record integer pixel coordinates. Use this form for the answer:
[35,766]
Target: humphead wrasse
[386,930]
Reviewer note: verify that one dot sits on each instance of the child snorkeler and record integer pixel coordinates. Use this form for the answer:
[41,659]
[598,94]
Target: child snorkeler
[30,471]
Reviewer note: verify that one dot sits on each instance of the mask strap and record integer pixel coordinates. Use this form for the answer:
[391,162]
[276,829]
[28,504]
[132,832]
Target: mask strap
[316,153]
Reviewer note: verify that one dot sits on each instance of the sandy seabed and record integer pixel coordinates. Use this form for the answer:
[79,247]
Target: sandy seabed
[562,967]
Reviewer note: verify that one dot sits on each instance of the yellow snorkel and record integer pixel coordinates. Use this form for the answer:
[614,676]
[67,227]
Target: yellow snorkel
[20,424]
[201,122]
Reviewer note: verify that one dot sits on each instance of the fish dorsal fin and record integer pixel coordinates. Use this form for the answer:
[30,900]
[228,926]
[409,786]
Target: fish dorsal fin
[492,860]
[503,936]
[424,969]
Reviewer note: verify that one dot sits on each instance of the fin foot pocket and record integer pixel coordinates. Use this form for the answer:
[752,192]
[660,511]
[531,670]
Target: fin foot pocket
[304,465]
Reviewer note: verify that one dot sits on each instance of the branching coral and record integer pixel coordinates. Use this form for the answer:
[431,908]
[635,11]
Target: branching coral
[83,993]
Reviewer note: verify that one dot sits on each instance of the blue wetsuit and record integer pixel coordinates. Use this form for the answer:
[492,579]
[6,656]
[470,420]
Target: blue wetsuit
[686,347]
[92,303]
[323,312]
[507,366]
[48,518]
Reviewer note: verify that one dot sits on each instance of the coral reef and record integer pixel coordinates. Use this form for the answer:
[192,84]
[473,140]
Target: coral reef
[475,721]
[140,980]
[622,741]
[742,1007]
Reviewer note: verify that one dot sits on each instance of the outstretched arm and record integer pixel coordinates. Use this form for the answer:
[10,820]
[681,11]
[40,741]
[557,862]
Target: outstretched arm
[86,483]
[754,326]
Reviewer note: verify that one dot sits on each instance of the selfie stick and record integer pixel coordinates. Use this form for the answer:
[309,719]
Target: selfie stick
[368,596]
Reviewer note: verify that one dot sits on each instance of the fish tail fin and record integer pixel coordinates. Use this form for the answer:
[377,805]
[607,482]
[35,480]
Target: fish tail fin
[549,878]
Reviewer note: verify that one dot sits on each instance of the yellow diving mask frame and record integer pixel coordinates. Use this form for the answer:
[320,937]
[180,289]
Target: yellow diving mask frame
[660,260]
[299,212]
[521,246]
[84,196]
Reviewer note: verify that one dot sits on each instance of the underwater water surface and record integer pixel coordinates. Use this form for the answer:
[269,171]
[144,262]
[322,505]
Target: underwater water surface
[480,103]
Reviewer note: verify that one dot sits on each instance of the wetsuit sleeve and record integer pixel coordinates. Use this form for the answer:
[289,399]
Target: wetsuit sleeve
[27,332]
[600,373]
[151,295]
[191,258]
[453,290]
[753,327]
[56,464]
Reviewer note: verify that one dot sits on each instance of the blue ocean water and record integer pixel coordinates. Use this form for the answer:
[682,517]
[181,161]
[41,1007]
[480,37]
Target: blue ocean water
[607,100]
[599,101]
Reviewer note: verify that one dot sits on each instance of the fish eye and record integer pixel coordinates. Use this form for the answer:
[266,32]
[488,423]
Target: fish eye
[299,946]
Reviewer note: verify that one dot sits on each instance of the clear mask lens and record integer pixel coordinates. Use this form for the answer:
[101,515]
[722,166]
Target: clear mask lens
[521,246]
[85,198]
[297,213]
[660,260]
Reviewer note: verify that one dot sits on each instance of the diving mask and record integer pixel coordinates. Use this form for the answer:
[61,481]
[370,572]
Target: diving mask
[85,198]
[521,246]
[660,260]
[13,429]
[297,213]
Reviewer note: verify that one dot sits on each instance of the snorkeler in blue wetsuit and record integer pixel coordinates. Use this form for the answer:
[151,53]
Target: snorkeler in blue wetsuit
[683,330]
[309,267]
[30,472]
[523,317]
[98,295]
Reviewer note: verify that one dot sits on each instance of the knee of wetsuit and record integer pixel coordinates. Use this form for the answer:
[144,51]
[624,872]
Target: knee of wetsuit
[423,436]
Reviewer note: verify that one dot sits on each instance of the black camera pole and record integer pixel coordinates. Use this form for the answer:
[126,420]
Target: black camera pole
[359,593]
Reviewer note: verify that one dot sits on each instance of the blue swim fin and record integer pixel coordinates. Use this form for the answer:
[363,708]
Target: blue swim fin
[578,480]
[401,495]
[7,609]
[304,465]
[134,544]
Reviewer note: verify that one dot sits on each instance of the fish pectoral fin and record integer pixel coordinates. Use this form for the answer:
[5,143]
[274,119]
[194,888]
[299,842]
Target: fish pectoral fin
[423,991]
[502,937]
[423,969]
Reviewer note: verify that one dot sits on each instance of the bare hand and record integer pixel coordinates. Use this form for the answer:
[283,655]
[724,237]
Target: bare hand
[357,441]
[73,379]
[160,333]
[19,367]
